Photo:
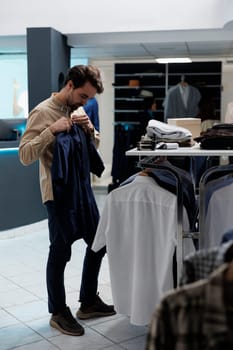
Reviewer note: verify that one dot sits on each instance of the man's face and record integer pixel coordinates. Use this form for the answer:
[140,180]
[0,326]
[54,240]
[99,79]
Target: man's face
[78,96]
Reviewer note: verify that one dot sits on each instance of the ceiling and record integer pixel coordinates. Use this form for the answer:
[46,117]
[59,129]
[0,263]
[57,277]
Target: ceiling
[196,44]
[210,44]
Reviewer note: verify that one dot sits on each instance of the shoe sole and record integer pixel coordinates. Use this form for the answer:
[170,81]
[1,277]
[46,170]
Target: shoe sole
[82,316]
[57,326]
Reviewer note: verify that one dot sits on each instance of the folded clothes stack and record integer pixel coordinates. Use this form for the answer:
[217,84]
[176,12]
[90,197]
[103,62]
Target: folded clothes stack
[163,132]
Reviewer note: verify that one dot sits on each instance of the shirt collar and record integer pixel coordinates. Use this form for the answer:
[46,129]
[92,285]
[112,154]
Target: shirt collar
[58,103]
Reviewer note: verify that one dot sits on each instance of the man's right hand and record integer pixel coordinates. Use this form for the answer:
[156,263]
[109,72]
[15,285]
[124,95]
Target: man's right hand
[62,124]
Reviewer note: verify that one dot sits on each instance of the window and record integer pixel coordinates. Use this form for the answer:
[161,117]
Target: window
[13,85]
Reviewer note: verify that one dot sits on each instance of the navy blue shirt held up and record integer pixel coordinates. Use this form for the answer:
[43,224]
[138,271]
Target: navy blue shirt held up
[75,156]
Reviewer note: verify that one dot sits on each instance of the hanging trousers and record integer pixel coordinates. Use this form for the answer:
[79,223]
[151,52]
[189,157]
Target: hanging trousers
[59,255]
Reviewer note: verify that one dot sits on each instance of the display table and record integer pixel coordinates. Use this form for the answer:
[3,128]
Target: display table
[181,151]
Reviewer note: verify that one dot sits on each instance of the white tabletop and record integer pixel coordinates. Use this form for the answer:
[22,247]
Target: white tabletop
[181,151]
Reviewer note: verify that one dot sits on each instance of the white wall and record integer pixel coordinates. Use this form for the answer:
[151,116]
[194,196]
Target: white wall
[76,16]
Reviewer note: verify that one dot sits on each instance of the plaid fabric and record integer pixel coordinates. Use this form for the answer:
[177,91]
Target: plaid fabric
[192,317]
[202,263]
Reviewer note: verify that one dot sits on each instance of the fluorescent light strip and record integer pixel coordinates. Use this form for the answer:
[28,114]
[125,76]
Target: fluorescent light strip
[174,60]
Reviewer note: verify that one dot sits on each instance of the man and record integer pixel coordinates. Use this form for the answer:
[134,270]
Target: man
[46,123]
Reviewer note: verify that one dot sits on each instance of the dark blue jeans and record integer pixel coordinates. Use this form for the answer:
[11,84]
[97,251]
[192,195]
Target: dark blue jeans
[59,255]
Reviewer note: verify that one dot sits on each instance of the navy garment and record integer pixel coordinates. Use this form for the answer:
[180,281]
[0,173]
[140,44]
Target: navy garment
[126,137]
[75,156]
[168,181]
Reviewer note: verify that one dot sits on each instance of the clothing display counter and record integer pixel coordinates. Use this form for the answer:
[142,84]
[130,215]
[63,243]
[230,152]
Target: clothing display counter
[146,160]
[20,199]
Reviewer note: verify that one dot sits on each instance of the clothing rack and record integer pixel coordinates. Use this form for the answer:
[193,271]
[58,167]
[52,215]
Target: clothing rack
[146,159]
[211,173]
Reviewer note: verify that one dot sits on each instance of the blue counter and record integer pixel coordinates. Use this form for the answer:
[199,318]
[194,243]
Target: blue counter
[20,198]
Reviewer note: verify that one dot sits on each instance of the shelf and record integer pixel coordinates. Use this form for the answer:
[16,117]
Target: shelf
[160,75]
[132,99]
[128,99]
[127,110]
[195,74]
[132,110]
[139,87]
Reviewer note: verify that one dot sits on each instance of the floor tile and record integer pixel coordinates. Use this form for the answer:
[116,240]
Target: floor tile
[30,311]
[119,330]
[91,340]
[6,319]
[6,285]
[28,279]
[42,327]
[137,343]
[98,320]
[9,269]
[17,335]
[38,289]
[115,347]
[40,345]
[16,297]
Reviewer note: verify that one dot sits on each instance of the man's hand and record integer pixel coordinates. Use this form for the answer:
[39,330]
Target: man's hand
[83,121]
[62,124]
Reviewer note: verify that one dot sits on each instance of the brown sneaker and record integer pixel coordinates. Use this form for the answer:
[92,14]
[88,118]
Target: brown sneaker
[66,323]
[98,309]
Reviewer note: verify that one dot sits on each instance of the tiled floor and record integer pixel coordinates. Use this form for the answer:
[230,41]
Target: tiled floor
[24,320]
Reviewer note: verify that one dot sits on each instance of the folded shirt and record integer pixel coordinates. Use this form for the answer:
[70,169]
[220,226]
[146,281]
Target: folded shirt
[166,132]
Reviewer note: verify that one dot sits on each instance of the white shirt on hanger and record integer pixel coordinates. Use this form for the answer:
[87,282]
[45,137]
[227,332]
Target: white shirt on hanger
[138,226]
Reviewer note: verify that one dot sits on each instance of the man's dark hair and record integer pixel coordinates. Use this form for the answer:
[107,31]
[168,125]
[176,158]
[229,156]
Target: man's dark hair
[81,74]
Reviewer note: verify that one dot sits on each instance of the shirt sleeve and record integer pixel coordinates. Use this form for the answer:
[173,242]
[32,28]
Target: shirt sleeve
[35,140]
[102,229]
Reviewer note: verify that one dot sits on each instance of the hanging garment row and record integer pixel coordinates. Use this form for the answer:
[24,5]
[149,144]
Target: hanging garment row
[216,203]
[139,225]
[196,316]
